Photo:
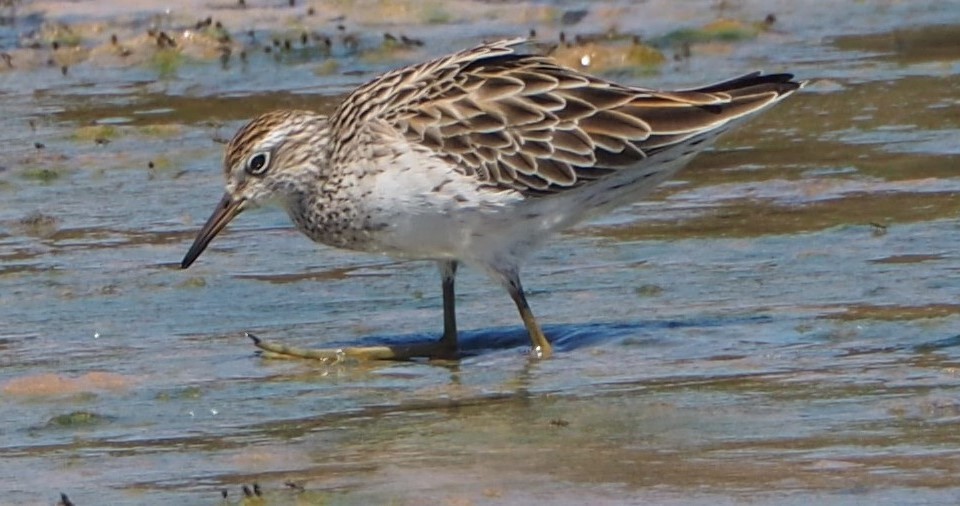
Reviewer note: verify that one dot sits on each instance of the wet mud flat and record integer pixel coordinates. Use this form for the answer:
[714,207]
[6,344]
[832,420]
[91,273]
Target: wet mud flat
[779,325]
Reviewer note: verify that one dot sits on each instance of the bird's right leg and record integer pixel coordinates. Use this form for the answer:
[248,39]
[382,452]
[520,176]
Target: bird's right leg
[539,343]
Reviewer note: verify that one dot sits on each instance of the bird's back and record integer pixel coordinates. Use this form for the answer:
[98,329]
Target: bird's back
[524,123]
[529,147]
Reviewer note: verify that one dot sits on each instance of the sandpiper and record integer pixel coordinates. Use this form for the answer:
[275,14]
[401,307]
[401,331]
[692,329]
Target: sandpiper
[477,157]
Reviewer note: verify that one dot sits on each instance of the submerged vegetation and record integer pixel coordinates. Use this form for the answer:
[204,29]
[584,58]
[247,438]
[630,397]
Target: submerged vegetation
[41,174]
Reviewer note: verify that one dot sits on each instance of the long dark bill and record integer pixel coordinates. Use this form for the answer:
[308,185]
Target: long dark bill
[225,211]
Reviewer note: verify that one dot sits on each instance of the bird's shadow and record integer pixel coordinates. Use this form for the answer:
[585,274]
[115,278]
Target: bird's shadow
[564,337]
[937,344]
[570,337]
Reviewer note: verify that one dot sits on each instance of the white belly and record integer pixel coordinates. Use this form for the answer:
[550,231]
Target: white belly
[421,207]
[434,212]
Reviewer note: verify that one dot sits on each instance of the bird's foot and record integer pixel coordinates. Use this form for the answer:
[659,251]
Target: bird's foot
[400,352]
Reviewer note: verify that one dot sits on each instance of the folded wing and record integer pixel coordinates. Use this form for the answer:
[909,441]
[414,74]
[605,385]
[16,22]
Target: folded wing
[523,122]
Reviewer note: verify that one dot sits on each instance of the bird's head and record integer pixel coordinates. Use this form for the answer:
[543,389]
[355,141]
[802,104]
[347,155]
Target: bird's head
[272,158]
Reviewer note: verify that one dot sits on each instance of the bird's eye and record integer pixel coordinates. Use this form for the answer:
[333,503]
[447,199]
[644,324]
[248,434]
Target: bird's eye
[257,164]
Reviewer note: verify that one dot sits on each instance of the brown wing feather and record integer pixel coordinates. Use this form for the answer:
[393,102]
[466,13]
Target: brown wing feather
[525,123]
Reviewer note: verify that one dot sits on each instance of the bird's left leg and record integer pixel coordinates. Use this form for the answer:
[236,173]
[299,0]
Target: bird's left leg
[448,273]
[445,348]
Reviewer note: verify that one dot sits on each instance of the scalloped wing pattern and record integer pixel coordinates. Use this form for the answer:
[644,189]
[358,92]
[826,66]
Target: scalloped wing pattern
[524,123]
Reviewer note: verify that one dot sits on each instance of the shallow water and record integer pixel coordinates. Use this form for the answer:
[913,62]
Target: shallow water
[779,325]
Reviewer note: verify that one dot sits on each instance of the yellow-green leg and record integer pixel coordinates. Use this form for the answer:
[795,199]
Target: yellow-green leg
[541,346]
